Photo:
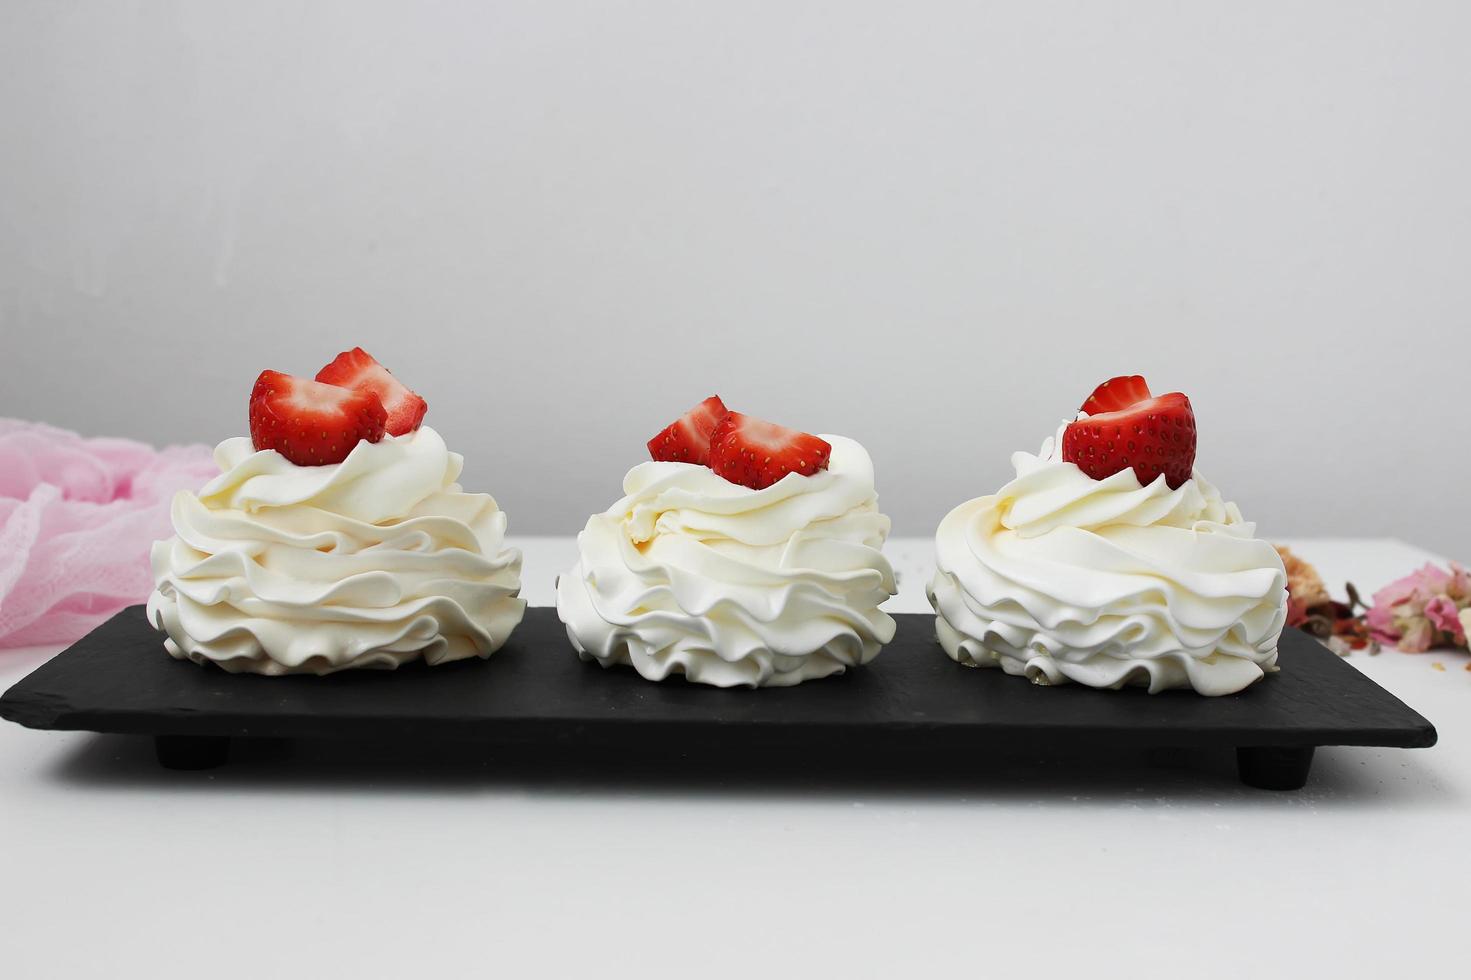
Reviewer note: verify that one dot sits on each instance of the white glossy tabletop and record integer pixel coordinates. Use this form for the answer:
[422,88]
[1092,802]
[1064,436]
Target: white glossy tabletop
[342,860]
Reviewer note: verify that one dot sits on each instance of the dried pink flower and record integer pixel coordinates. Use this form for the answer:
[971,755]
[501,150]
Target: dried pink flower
[1422,610]
[1444,616]
[1380,618]
[1459,588]
[1417,636]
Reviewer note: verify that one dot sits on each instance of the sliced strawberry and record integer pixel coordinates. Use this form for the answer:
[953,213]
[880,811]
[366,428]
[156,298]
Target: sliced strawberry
[1116,393]
[309,423]
[687,440]
[1154,436]
[756,454]
[357,369]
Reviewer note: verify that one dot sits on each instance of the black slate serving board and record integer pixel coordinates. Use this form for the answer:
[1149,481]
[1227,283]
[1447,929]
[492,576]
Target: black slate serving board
[536,692]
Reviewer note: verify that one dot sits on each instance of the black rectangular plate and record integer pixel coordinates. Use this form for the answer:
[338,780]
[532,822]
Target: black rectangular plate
[535,691]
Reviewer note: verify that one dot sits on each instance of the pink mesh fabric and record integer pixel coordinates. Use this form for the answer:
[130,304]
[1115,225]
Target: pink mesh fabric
[77,518]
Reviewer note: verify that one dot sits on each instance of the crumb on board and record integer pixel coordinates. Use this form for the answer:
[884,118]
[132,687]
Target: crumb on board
[1437,665]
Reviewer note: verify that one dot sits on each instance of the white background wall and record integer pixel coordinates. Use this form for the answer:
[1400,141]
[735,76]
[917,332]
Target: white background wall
[931,226]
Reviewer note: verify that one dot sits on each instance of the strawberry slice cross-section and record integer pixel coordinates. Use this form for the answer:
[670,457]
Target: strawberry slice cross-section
[309,423]
[1117,393]
[357,369]
[756,453]
[687,439]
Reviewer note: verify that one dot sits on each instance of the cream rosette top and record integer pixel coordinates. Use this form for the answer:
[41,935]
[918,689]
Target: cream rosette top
[691,574]
[1060,577]
[277,568]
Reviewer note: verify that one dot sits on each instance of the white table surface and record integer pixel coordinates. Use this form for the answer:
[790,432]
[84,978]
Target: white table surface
[338,860]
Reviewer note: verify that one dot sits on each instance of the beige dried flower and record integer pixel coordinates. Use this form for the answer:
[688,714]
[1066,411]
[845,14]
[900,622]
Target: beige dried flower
[1303,581]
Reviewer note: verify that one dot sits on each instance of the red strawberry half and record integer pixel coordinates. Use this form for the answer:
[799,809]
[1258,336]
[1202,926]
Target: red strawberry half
[311,424]
[756,454]
[687,440]
[1152,436]
[1117,393]
[357,369]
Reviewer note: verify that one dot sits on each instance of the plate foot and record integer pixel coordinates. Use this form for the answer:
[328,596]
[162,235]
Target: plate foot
[191,751]
[1272,767]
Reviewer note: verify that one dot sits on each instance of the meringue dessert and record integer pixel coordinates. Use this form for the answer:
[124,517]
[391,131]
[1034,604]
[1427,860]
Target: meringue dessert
[743,554]
[335,537]
[1108,561]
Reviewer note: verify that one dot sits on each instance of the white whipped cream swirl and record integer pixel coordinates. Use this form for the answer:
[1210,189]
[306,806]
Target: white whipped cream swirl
[691,574]
[1060,577]
[277,568]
